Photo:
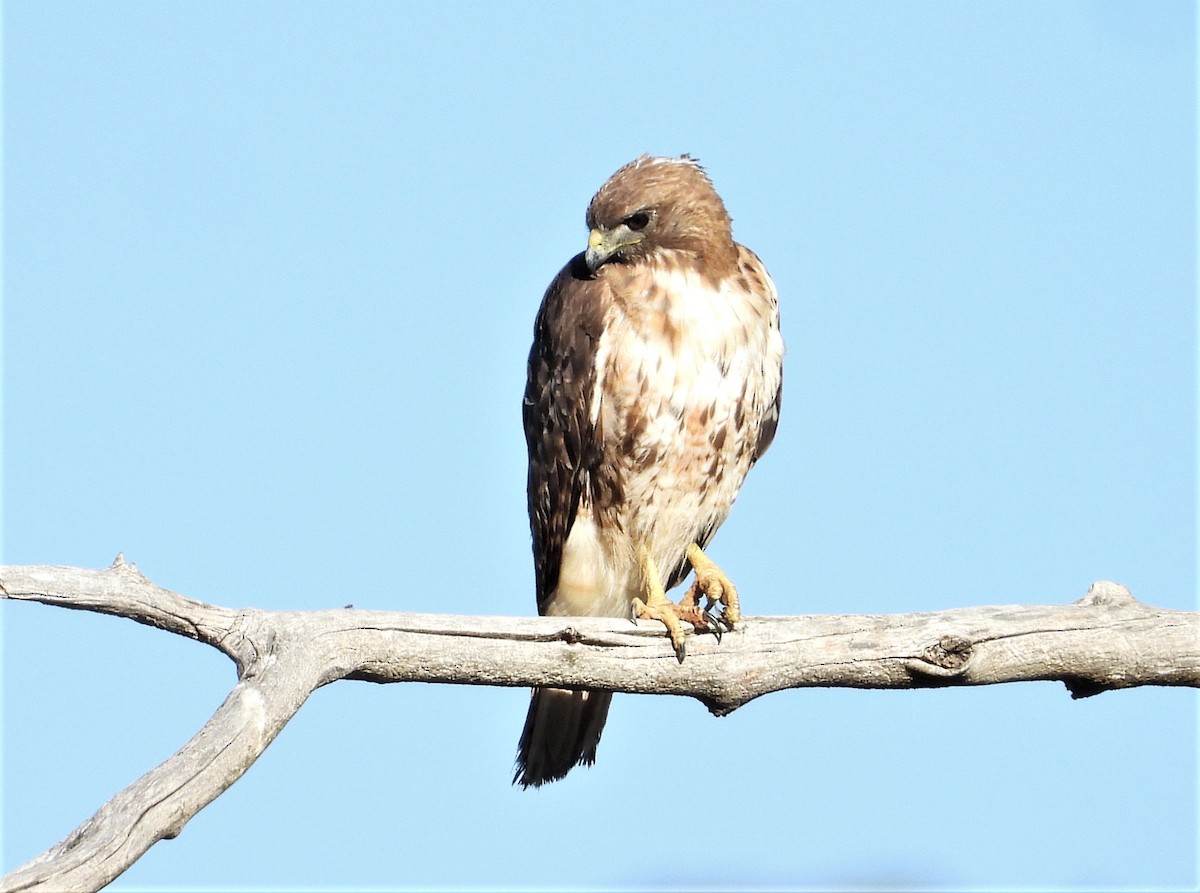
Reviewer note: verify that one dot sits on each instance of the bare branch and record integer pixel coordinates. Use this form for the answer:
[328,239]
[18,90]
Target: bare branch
[1105,640]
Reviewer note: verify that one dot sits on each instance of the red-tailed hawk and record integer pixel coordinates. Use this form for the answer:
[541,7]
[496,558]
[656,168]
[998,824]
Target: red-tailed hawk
[653,386]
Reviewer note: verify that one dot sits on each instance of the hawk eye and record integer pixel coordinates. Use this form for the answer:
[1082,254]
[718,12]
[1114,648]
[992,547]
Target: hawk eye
[638,221]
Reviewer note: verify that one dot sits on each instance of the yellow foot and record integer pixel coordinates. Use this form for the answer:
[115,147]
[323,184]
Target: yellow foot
[658,607]
[716,588]
[710,582]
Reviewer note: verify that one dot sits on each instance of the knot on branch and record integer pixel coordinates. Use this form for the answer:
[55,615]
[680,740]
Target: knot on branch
[947,658]
[1105,592]
[121,566]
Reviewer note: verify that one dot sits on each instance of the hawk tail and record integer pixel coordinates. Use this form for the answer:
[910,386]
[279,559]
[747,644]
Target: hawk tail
[562,730]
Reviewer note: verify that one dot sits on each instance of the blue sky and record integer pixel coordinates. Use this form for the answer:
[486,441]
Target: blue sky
[270,272]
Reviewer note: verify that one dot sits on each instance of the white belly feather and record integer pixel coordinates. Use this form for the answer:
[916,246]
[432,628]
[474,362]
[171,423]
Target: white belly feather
[683,386]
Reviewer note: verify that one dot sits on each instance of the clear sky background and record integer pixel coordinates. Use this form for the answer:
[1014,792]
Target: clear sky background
[270,272]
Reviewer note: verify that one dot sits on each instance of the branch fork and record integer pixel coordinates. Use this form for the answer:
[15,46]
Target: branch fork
[1106,640]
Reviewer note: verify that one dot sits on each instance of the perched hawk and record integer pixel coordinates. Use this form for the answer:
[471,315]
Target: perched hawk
[653,386]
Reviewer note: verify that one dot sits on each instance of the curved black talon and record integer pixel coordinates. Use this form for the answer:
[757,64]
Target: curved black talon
[715,622]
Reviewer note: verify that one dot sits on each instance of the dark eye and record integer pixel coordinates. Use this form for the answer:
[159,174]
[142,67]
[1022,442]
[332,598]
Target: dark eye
[637,221]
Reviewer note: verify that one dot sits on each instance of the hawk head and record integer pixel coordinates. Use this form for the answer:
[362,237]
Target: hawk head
[655,206]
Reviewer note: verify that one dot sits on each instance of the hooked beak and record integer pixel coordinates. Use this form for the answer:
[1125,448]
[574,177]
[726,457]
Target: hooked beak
[604,243]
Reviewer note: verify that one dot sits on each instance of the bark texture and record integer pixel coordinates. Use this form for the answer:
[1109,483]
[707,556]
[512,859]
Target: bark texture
[1106,640]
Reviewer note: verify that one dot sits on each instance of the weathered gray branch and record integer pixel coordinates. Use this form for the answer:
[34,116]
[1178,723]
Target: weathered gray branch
[1105,640]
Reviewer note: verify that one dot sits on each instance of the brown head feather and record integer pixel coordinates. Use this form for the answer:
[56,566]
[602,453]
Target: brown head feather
[682,212]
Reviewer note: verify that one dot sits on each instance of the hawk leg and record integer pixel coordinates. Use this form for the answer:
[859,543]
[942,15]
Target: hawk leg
[710,582]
